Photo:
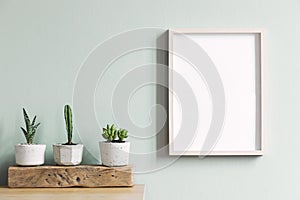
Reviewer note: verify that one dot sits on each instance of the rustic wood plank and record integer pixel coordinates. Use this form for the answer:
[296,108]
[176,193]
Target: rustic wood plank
[120,193]
[70,176]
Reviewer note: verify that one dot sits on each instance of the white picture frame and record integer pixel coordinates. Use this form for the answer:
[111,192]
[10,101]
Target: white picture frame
[236,56]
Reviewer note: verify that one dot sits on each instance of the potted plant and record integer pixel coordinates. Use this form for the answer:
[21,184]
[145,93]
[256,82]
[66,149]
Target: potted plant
[69,153]
[29,154]
[114,151]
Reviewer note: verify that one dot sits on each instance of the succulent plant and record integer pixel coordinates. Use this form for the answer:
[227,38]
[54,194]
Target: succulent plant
[110,133]
[31,127]
[122,134]
[69,124]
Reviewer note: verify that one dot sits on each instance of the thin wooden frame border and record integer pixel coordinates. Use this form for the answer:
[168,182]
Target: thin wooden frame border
[259,74]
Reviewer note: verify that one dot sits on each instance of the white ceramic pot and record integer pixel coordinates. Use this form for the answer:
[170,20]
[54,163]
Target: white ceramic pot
[30,154]
[67,154]
[114,154]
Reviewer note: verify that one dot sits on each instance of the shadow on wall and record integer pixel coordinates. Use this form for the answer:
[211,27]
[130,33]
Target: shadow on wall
[162,96]
[3,168]
[7,156]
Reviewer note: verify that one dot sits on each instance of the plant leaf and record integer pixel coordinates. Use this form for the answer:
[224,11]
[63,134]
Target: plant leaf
[24,131]
[33,121]
[26,119]
[36,126]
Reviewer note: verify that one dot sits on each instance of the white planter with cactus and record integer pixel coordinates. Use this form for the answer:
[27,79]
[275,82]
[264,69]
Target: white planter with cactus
[114,152]
[30,154]
[68,153]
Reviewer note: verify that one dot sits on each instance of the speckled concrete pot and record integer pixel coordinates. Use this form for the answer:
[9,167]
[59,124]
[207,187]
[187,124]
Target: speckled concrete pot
[67,154]
[30,154]
[114,154]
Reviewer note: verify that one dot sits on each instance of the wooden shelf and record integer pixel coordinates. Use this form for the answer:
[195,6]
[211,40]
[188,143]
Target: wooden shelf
[70,176]
[119,193]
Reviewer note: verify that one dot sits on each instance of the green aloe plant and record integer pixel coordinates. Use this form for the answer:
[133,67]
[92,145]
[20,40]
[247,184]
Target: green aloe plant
[31,127]
[69,123]
[110,133]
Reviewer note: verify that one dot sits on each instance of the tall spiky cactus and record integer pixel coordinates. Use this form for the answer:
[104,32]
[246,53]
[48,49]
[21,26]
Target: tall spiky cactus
[29,133]
[69,124]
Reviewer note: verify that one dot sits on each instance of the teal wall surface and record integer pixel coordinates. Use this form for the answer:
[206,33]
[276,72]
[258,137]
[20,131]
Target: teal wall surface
[43,45]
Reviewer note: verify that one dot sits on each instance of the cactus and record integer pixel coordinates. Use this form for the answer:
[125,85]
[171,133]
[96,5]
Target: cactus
[69,125]
[31,127]
[122,134]
[110,133]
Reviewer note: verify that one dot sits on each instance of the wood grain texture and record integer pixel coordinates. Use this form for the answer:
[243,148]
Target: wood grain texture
[70,176]
[120,193]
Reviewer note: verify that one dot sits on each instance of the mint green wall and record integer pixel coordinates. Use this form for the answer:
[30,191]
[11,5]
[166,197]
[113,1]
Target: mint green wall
[43,43]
